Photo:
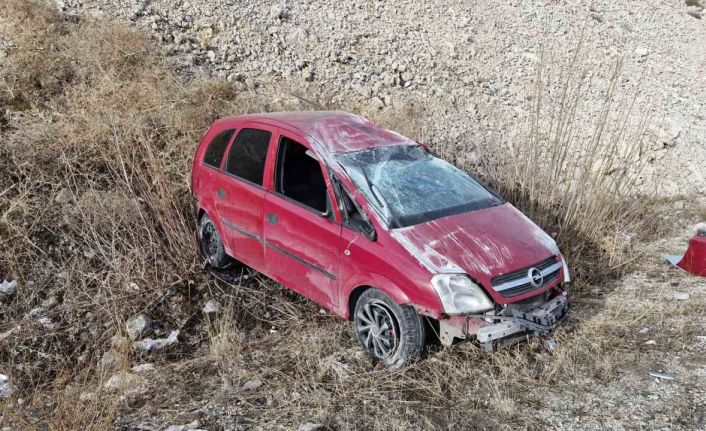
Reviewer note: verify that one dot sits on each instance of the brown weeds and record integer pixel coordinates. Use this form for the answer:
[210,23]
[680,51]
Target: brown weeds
[577,171]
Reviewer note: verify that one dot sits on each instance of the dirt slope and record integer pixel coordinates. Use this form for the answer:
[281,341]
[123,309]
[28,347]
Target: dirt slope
[453,57]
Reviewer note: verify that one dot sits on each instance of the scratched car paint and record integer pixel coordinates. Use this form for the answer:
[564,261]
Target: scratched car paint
[376,228]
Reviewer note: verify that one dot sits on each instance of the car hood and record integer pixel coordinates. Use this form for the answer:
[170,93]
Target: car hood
[482,243]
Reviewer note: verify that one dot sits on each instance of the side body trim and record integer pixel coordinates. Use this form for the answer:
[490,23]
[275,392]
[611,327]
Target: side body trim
[279,249]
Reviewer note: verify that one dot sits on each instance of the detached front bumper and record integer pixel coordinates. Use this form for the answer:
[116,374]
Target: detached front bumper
[499,330]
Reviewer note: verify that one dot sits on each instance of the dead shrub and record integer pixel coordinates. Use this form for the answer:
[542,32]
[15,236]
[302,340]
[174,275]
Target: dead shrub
[94,176]
[576,171]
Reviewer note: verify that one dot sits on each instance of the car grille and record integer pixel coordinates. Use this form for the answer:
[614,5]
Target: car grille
[511,284]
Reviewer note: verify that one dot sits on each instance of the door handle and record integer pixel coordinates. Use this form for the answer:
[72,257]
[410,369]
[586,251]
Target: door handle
[221,193]
[272,218]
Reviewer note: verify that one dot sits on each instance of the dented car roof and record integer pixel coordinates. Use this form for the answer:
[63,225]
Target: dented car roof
[333,131]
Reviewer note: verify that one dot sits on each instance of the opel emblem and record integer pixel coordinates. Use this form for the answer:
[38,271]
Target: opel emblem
[535,276]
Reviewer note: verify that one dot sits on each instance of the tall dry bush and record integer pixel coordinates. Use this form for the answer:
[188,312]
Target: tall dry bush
[94,164]
[578,167]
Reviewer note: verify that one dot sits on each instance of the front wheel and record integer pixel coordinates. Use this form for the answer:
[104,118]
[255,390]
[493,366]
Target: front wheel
[392,334]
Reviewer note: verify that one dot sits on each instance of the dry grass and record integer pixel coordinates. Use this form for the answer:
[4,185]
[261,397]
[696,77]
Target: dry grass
[97,117]
[576,176]
[104,125]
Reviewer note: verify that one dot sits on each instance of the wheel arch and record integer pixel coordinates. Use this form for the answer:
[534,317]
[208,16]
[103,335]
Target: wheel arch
[374,282]
[353,299]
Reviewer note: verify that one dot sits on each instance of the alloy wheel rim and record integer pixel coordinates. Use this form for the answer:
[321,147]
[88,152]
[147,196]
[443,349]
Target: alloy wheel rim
[210,240]
[377,329]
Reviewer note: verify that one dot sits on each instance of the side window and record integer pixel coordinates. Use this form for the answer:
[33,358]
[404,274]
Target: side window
[248,154]
[299,176]
[216,148]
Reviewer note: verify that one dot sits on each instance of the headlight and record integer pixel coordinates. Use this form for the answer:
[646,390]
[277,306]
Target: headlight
[459,295]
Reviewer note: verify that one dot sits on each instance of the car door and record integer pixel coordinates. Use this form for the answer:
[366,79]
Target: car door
[301,233]
[240,194]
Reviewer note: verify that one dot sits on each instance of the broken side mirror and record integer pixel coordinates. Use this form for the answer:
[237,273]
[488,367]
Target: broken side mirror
[363,227]
[360,224]
[370,233]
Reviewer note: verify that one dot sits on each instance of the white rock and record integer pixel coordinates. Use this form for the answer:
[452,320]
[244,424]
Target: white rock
[310,426]
[143,368]
[642,51]
[252,385]
[681,296]
[136,326]
[193,426]
[36,312]
[666,132]
[150,344]
[8,287]
[212,307]
[298,35]
[7,389]
[47,323]
[650,342]
[125,381]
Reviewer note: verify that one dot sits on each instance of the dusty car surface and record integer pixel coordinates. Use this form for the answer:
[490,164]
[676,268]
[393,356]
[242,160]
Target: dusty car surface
[377,229]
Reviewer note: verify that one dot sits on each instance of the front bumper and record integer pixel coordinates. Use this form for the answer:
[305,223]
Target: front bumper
[499,330]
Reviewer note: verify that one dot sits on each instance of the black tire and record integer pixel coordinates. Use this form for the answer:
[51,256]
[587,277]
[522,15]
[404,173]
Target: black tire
[401,325]
[212,248]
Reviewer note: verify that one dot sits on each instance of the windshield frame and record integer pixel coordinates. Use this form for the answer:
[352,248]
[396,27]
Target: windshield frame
[389,219]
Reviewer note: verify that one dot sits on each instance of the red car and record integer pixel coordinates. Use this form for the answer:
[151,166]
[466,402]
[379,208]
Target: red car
[376,228]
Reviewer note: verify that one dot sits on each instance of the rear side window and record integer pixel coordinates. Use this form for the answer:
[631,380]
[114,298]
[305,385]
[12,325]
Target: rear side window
[248,154]
[216,149]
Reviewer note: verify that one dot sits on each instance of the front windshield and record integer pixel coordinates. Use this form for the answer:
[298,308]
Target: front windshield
[407,185]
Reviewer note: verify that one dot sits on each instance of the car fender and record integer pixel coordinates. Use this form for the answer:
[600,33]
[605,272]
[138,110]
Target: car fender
[376,281]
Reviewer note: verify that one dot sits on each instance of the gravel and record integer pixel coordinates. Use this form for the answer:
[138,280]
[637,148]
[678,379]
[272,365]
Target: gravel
[471,65]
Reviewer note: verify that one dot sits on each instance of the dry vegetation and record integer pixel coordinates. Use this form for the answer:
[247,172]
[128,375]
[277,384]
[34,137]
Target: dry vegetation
[97,135]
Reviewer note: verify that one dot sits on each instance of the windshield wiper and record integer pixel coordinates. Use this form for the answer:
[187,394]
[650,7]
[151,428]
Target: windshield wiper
[376,194]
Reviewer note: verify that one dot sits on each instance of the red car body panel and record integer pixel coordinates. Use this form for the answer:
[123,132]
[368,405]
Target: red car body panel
[483,244]
[326,261]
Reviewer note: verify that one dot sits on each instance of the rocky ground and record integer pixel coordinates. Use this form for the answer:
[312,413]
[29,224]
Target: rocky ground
[470,64]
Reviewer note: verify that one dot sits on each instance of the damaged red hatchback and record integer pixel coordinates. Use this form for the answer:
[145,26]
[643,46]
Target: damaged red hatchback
[375,228]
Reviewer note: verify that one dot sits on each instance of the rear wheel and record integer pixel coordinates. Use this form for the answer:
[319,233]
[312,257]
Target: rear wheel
[211,244]
[392,334]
